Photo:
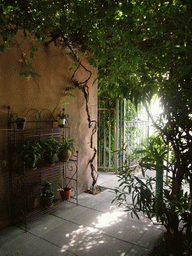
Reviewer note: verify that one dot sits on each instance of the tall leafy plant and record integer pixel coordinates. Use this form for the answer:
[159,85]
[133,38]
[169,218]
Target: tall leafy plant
[155,194]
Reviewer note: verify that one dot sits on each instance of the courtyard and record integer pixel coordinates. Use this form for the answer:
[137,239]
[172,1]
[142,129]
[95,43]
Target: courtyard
[93,227]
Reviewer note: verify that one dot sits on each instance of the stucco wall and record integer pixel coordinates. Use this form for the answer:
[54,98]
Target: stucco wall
[21,94]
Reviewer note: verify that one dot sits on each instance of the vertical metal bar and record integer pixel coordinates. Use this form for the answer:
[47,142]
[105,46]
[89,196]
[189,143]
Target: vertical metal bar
[104,160]
[123,123]
[98,142]
[109,164]
[148,129]
[25,199]
[77,178]
[116,133]
[120,115]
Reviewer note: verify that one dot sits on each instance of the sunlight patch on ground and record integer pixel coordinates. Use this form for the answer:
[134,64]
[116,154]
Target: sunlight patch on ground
[85,238]
[108,219]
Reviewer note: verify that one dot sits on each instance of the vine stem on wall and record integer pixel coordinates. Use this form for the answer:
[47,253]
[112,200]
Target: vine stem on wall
[83,86]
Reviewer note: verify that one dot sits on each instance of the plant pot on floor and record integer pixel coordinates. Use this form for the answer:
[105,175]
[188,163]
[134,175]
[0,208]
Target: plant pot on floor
[65,193]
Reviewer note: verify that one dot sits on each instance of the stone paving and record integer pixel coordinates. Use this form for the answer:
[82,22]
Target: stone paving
[95,227]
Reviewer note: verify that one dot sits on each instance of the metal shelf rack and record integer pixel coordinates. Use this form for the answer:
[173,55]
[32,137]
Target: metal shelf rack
[25,185]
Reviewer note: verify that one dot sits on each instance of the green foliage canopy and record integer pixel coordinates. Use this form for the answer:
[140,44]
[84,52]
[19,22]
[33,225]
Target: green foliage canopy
[135,43]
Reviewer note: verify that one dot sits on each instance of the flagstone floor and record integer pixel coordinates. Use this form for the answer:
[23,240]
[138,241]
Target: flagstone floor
[95,227]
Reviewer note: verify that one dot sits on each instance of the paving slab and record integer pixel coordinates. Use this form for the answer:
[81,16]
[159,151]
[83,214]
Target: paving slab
[12,238]
[107,205]
[90,241]
[128,231]
[149,238]
[59,235]
[70,214]
[88,200]
[137,251]
[39,247]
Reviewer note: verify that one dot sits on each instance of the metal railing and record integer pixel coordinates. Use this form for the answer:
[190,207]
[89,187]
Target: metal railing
[117,128]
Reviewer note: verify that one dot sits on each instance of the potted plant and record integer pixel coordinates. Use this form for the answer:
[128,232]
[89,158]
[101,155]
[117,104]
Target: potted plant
[64,192]
[21,122]
[51,148]
[47,195]
[31,153]
[66,149]
[62,118]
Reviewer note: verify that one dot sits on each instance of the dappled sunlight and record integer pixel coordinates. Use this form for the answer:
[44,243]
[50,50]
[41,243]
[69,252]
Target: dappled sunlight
[84,238]
[101,230]
[87,239]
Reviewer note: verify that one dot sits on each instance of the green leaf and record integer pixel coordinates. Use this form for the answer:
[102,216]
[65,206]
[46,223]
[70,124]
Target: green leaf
[32,56]
[140,181]
[135,212]
[34,49]
[4,47]
[25,74]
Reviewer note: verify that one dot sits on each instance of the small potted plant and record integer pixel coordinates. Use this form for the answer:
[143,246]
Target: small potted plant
[64,192]
[31,153]
[21,122]
[51,148]
[47,195]
[62,118]
[66,149]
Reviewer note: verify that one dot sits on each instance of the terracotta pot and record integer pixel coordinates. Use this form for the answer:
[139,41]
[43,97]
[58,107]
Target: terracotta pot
[64,155]
[31,169]
[65,194]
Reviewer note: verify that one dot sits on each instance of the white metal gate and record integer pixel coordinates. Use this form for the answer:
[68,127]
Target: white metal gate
[106,119]
[121,127]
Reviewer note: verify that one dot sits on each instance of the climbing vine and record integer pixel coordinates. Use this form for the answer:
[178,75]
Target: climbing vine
[83,86]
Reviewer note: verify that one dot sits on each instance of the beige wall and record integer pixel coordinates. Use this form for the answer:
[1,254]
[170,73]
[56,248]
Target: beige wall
[22,94]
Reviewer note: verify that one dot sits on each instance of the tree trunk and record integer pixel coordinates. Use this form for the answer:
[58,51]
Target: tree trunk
[174,237]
